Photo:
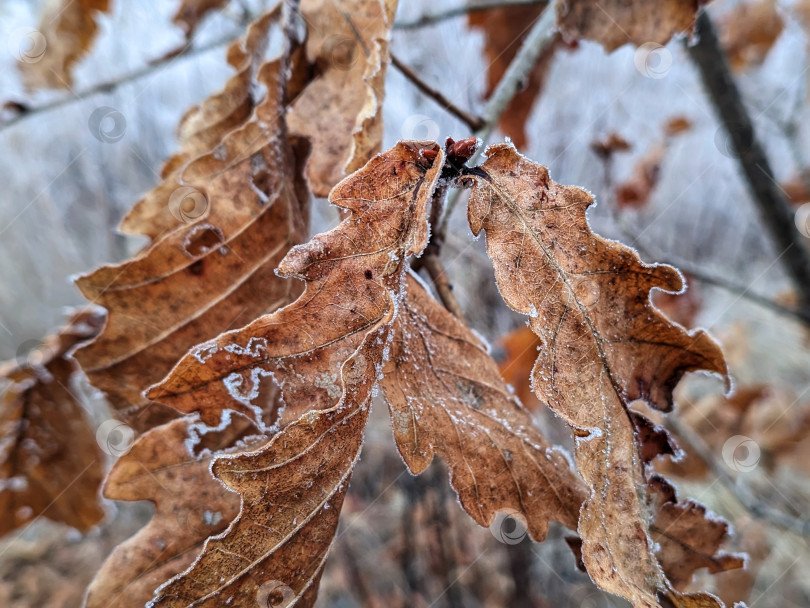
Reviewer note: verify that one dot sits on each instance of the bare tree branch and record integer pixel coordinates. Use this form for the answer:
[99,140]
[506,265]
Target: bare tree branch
[25,112]
[474,122]
[459,11]
[774,209]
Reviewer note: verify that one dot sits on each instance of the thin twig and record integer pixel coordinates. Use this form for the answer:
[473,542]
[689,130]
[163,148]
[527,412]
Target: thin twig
[744,496]
[539,38]
[460,11]
[444,288]
[774,209]
[111,85]
[473,122]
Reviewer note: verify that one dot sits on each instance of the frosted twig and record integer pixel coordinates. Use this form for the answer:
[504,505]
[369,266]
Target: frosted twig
[460,11]
[744,496]
[473,122]
[539,38]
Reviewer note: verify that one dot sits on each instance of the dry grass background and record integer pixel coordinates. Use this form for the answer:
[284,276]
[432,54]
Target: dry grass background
[404,539]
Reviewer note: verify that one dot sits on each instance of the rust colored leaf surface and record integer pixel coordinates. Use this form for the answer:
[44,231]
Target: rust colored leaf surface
[504,30]
[603,346]
[341,111]
[50,463]
[210,274]
[200,131]
[613,23]
[190,506]
[325,351]
[688,536]
[346,271]
[446,397]
[65,34]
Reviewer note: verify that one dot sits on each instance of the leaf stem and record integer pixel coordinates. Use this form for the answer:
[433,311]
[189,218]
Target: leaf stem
[538,39]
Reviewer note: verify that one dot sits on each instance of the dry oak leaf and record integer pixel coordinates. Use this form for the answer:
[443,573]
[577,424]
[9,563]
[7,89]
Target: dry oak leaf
[749,31]
[603,346]
[341,111]
[204,277]
[613,23]
[688,536]
[190,506]
[447,397]
[200,131]
[50,463]
[66,32]
[504,29]
[325,351]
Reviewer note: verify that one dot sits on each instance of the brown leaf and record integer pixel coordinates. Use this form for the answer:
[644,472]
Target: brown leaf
[66,32]
[521,350]
[677,125]
[749,31]
[200,131]
[341,111]
[447,397]
[191,12]
[688,537]
[682,308]
[293,488]
[190,506]
[207,275]
[635,191]
[50,463]
[343,299]
[610,144]
[795,190]
[504,30]
[613,23]
[603,345]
